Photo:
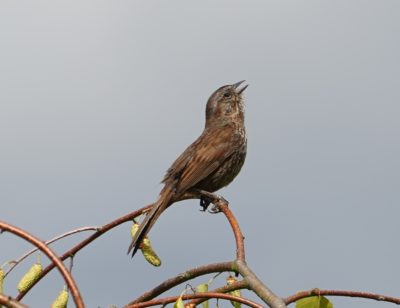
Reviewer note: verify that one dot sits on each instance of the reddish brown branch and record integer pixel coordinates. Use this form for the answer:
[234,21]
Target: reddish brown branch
[239,265]
[52,256]
[250,280]
[14,263]
[8,301]
[239,238]
[183,277]
[237,285]
[315,292]
[87,241]
[167,300]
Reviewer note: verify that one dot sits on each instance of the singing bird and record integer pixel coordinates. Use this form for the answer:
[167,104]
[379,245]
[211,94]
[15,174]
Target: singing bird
[209,163]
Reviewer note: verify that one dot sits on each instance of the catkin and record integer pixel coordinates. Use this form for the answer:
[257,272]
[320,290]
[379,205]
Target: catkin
[62,299]
[134,229]
[230,280]
[146,248]
[30,277]
[1,280]
[149,253]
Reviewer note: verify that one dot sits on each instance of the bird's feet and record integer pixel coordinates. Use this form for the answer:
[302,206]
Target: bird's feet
[207,198]
[204,203]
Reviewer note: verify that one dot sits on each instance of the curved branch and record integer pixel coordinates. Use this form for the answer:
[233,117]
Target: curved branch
[87,241]
[52,256]
[315,292]
[239,265]
[24,256]
[237,285]
[239,238]
[167,300]
[185,276]
[258,286]
[8,301]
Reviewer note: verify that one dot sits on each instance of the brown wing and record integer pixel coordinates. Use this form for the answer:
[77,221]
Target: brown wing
[201,158]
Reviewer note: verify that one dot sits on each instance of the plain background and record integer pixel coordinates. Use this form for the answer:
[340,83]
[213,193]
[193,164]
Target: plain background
[99,97]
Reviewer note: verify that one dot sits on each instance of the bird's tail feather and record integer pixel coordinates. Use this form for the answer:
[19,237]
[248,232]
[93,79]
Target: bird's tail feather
[158,207]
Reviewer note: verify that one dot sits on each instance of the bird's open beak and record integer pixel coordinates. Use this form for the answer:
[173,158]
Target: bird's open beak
[236,86]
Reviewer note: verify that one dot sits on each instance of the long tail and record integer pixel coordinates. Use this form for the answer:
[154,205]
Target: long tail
[161,204]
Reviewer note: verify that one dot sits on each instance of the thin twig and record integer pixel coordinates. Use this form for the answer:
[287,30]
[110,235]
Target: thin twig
[315,292]
[167,300]
[14,263]
[53,257]
[85,242]
[8,301]
[183,277]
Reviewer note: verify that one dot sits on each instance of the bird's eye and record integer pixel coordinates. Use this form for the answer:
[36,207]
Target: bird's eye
[227,95]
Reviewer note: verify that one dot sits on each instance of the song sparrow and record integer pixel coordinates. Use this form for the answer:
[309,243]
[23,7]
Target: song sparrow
[209,163]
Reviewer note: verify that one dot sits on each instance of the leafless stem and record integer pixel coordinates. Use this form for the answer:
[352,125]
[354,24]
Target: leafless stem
[185,276]
[53,257]
[315,292]
[167,300]
[87,241]
[14,263]
[10,302]
[239,238]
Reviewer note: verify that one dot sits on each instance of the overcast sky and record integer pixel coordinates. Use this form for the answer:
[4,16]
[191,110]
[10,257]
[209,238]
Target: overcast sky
[99,97]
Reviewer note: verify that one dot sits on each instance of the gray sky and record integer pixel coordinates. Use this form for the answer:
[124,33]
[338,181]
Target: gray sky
[99,97]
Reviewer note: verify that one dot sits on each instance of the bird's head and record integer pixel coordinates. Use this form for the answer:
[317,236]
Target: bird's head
[226,104]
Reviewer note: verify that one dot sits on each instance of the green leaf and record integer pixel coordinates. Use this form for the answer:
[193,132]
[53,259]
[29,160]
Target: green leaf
[314,302]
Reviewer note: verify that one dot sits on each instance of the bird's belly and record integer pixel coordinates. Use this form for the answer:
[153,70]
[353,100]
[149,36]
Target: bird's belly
[225,174]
